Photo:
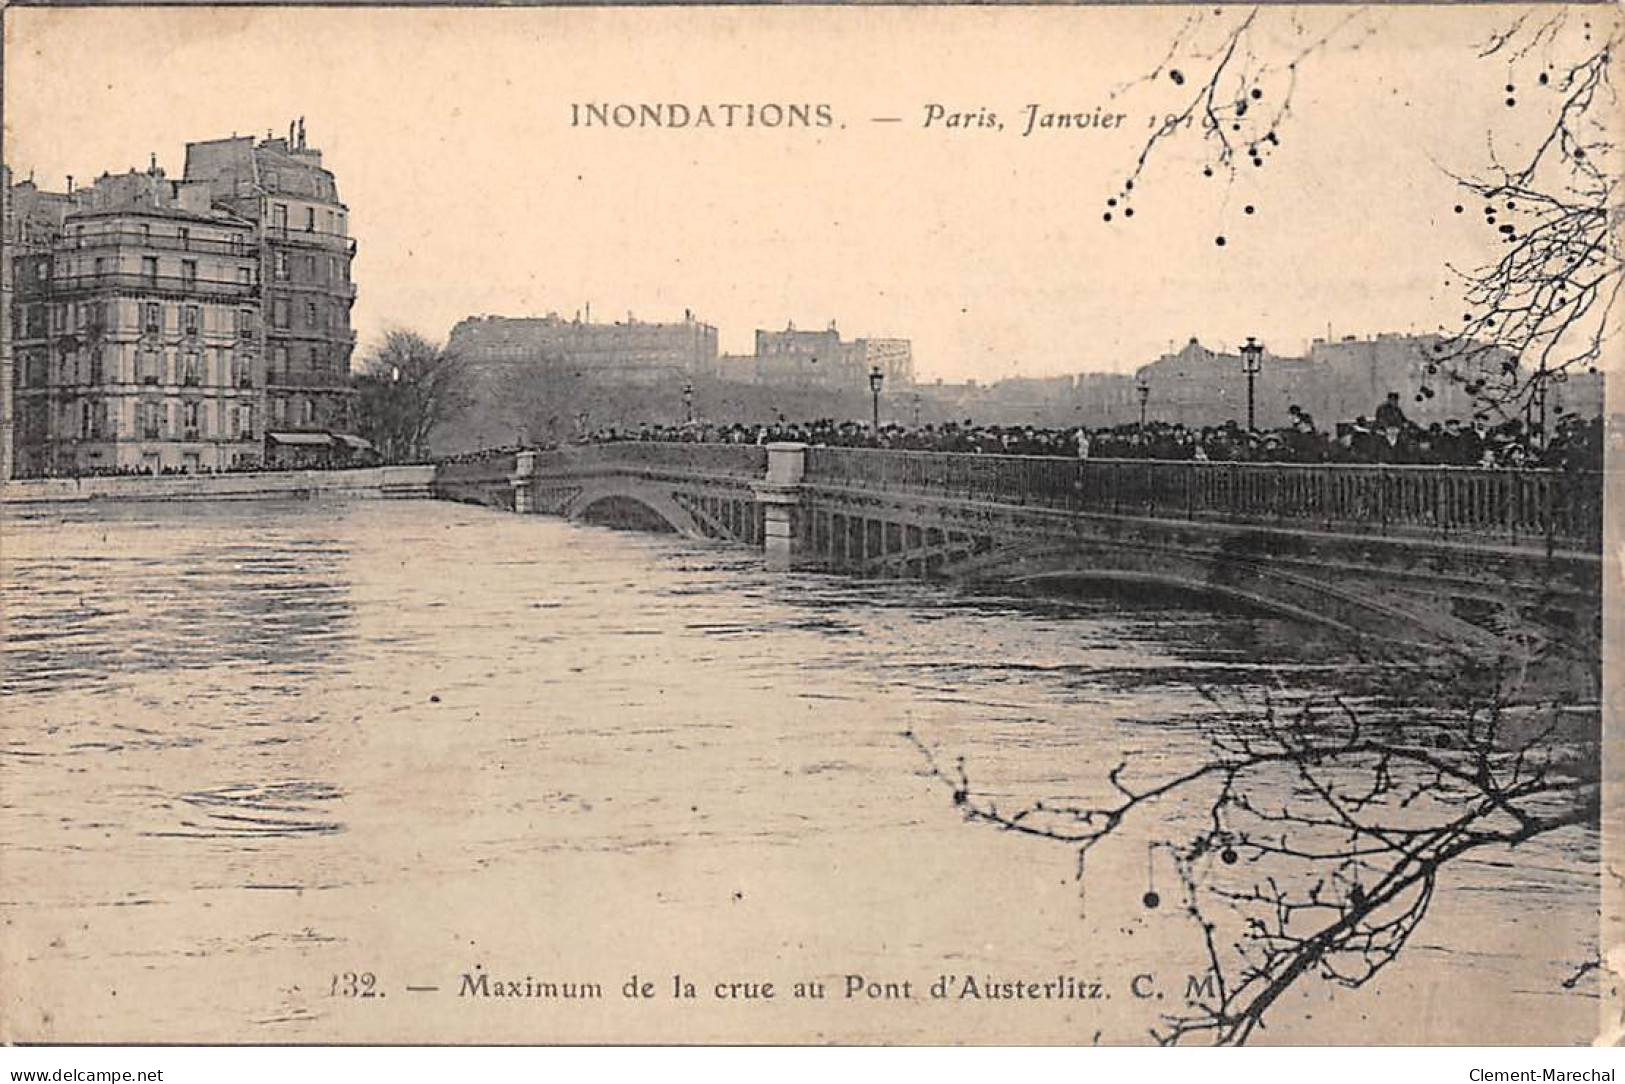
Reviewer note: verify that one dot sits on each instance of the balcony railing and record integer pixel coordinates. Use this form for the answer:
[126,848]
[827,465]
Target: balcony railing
[307,378]
[182,285]
[1562,507]
[289,235]
[245,249]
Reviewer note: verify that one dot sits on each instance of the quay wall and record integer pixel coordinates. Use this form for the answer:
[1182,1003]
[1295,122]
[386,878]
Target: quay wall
[362,482]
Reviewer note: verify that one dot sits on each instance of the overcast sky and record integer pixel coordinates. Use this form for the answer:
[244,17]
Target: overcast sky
[449,132]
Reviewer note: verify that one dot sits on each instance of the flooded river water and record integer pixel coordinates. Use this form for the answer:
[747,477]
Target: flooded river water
[263,759]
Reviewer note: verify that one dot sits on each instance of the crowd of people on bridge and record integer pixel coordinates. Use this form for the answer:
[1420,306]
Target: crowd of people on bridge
[1386,438]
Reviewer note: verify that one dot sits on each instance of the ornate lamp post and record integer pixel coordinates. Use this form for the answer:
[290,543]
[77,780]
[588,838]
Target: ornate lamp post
[1143,390]
[876,379]
[1252,360]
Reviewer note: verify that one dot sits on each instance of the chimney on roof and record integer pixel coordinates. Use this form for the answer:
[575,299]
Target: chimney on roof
[70,182]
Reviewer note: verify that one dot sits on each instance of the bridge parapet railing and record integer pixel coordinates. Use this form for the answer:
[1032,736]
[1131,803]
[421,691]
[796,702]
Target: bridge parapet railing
[735,460]
[1562,507]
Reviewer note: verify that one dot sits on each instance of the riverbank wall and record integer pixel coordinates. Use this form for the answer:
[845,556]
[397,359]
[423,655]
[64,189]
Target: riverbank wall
[362,482]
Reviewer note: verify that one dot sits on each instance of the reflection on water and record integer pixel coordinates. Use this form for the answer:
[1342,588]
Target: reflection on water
[251,747]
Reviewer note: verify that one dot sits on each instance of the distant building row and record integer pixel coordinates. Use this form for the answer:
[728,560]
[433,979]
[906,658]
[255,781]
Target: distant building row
[638,353]
[156,324]
[1197,386]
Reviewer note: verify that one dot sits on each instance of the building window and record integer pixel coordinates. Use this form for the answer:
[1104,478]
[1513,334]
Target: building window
[278,364]
[101,266]
[280,262]
[236,244]
[189,272]
[151,420]
[191,368]
[310,220]
[184,236]
[152,316]
[96,373]
[279,411]
[279,312]
[189,422]
[149,268]
[245,323]
[279,214]
[245,276]
[307,412]
[193,318]
[318,359]
[341,222]
[310,267]
[146,233]
[310,314]
[244,364]
[248,422]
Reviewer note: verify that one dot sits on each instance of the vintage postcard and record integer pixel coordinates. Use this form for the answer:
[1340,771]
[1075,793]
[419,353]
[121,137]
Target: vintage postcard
[892,525]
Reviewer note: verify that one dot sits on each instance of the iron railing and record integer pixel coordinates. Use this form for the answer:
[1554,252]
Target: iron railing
[736,460]
[184,285]
[1561,507]
[169,242]
[291,235]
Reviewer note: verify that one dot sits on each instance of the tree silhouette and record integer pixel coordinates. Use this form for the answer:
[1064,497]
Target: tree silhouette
[1546,308]
[408,389]
[1542,311]
[1323,827]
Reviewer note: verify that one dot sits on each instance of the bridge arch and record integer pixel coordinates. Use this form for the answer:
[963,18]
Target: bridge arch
[656,501]
[1255,581]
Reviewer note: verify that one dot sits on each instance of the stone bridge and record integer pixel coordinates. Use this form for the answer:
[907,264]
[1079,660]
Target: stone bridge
[1410,554]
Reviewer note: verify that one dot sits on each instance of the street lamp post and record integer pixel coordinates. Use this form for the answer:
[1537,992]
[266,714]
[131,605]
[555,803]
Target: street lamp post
[1252,360]
[1143,390]
[876,379]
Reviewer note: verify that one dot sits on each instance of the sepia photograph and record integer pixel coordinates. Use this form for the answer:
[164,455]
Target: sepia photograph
[872,526]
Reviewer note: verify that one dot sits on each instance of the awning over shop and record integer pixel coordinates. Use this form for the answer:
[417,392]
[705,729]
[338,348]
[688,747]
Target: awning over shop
[318,439]
[360,444]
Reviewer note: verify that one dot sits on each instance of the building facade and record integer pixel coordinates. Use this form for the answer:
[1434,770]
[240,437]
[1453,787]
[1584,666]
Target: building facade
[307,289]
[799,358]
[632,353]
[160,325]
